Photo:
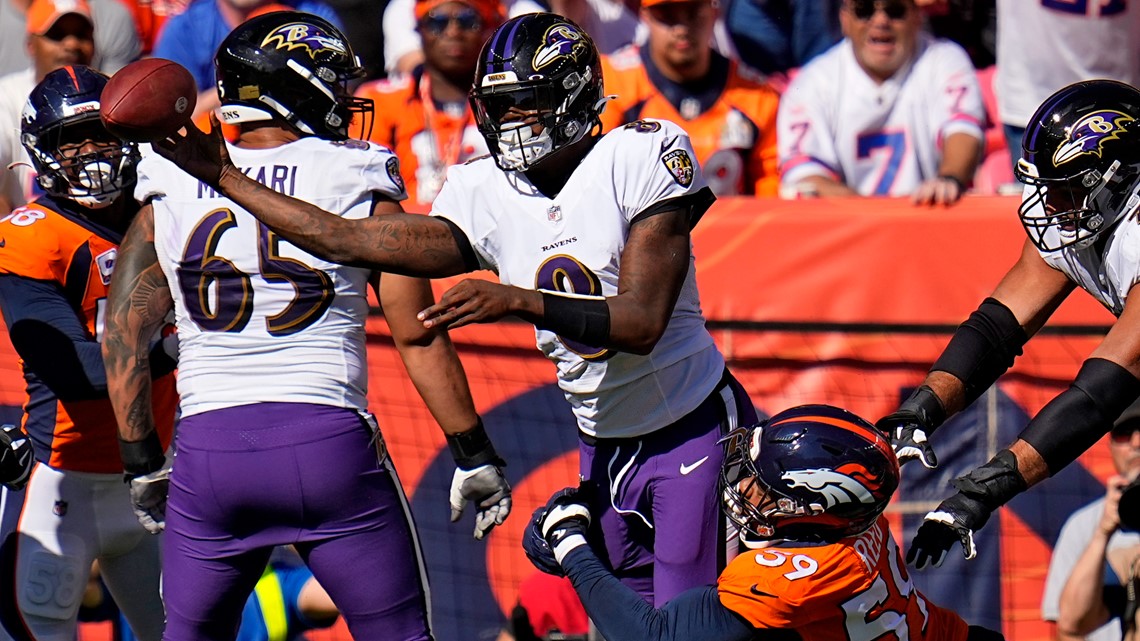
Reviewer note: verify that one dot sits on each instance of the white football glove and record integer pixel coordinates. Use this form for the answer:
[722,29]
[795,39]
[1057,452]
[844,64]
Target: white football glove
[488,489]
[148,498]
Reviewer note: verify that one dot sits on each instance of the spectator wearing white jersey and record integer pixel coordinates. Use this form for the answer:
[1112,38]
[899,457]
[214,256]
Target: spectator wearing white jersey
[889,111]
[1086,40]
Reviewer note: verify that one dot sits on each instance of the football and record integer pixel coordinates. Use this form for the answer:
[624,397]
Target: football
[148,100]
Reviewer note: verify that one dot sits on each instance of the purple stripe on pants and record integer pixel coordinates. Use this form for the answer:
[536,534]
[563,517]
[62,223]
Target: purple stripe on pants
[252,477]
[660,518]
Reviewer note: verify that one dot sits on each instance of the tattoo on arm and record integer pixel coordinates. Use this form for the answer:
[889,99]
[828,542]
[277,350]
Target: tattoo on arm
[408,244]
[136,309]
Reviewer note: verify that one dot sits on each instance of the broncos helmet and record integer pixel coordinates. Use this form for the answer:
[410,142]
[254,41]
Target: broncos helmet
[812,473]
[295,66]
[59,122]
[1081,164]
[536,64]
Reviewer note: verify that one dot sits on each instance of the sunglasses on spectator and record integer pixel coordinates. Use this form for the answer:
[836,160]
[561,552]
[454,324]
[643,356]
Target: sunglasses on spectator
[865,9]
[1123,433]
[466,20]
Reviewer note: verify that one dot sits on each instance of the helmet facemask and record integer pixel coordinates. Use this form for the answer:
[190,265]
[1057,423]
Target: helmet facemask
[755,507]
[79,160]
[1073,211]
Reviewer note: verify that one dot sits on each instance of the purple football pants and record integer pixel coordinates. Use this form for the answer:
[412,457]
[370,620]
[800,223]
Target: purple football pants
[659,507]
[249,478]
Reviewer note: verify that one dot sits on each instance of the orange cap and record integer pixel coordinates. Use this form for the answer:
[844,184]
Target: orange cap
[490,10]
[42,14]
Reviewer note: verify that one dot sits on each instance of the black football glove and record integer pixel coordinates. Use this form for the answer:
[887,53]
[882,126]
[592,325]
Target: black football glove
[16,457]
[954,521]
[556,528]
[910,426]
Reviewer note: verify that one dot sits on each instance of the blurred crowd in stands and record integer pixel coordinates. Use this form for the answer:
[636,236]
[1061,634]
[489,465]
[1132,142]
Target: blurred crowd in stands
[923,99]
[918,98]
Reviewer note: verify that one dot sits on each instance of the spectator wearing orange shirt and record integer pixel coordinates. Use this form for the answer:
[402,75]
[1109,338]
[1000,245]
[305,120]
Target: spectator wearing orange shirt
[728,110]
[424,117]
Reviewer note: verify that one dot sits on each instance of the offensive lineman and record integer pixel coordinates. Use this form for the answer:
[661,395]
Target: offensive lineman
[1081,166]
[590,238]
[275,445]
[57,255]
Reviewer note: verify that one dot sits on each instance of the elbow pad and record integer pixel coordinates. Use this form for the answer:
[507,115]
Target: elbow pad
[983,348]
[1074,420]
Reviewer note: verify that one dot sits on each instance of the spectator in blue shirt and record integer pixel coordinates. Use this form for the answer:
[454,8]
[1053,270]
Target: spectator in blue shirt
[191,38]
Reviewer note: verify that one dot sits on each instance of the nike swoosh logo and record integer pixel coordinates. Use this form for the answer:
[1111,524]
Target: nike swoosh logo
[753,590]
[686,469]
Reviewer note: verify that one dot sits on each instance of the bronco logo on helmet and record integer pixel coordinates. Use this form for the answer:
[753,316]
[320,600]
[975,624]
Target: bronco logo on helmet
[834,486]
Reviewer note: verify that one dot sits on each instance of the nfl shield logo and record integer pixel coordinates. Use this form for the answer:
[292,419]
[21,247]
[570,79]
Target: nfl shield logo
[554,214]
[60,508]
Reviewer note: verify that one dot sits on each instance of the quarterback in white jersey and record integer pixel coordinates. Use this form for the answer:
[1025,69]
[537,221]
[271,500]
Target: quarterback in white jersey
[274,439]
[1081,165]
[536,242]
[888,111]
[590,238]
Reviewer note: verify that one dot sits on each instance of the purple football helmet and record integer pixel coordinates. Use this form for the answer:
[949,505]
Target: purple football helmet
[294,66]
[538,68]
[1081,163]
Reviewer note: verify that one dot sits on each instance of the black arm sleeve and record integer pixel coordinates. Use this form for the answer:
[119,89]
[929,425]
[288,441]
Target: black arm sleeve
[622,615]
[1074,420]
[983,348]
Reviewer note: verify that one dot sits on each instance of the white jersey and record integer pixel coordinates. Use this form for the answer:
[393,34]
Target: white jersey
[1044,46]
[1107,274]
[258,319]
[573,243]
[879,139]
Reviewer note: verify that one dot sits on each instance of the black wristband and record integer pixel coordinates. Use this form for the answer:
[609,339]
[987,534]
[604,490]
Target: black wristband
[926,405]
[141,457]
[994,483]
[955,180]
[473,448]
[581,319]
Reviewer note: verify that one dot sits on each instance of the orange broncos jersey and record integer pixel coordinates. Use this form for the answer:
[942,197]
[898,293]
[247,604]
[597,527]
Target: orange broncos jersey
[857,588]
[730,119]
[40,243]
[427,140]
